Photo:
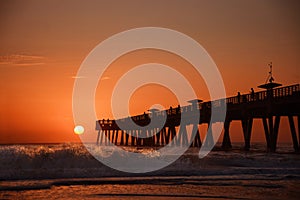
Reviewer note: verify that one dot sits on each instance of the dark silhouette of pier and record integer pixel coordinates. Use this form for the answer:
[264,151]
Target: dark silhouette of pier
[269,106]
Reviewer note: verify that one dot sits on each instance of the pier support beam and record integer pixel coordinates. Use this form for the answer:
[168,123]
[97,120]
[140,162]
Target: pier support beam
[168,135]
[247,129]
[158,133]
[209,140]
[172,135]
[196,137]
[126,137]
[139,140]
[162,136]
[226,144]
[98,137]
[271,131]
[293,132]
[132,132]
[153,136]
[144,140]
[116,139]
[122,138]
[113,136]
[101,137]
[275,134]
[181,139]
[107,139]
[267,135]
[148,140]
[104,141]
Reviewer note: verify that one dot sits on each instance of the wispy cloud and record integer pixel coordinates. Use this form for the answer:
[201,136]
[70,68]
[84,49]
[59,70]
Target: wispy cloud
[22,60]
[105,78]
[77,77]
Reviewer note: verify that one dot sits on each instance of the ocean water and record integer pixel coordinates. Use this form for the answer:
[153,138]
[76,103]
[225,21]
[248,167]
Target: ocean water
[69,171]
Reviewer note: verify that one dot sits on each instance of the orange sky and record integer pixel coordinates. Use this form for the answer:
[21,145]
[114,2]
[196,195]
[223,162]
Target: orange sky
[44,42]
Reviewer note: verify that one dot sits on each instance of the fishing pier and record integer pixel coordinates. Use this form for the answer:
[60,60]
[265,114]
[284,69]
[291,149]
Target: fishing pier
[269,106]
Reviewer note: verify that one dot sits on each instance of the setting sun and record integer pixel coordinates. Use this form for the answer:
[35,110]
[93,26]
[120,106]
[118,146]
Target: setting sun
[78,130]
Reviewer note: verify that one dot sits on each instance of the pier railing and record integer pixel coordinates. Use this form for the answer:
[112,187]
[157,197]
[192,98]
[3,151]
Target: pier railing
[263,95]
[278,93]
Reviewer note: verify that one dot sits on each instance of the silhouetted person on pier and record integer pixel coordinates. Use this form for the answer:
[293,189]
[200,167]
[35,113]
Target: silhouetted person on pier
[178,109]
[252,94]
[239,97]
[170,110]
[145,115]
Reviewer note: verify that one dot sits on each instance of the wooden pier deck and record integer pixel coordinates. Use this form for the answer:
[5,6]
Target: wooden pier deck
[269,106]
